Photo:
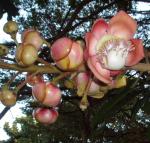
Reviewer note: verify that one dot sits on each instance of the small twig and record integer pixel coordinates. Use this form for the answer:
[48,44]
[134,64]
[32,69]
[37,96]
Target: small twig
[40,60]
[11,80]
[13,36]
[5,110]
[24,82]
[61,76]
[48,64]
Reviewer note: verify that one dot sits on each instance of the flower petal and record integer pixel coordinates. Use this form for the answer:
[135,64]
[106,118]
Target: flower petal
[100,28]
[87,38]
[94,88]
[99,72]
[91,42]
[82,80]
[38,91]
[63,63]
[75,55]
[122,25]
[137,54]
[85,54]
[61,48]
[52,95]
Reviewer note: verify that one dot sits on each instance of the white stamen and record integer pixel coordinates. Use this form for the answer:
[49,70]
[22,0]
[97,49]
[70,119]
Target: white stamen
[115,54]
[115,60]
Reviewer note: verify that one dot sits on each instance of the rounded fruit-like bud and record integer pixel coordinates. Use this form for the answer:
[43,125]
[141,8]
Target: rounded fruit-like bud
[45,116]
[34,79]
[26,54]
[82,80]
[31,36]
[10,27]
[8,98]
[47,93]
[67,54]
[3,50]
[94,89]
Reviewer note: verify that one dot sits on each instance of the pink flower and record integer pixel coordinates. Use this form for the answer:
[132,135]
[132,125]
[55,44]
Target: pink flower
[111,47]
[31,36]
[47,93]
[45,116]
[94,90]
[67,54]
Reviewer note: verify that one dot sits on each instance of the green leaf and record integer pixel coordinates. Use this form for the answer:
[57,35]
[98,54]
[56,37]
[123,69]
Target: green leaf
[111,107]
[148,134]
[146,107]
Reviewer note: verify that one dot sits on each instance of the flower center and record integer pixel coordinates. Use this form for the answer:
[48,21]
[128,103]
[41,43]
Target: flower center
[112,52]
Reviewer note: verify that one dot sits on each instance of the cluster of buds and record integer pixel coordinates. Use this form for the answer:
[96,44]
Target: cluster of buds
[96,64]
[27,52]
[26,55]
[108,49]
[48,95]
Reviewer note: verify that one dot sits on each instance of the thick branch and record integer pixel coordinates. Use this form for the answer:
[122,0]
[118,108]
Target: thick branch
[141,67]
[47,69]
[52,69]
[33,68]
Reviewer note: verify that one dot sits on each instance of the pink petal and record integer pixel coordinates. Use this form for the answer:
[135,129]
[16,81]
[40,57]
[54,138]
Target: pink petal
[87,38]
[94,87]
[54,114]
[85,54]
[75,55]
[122,25]
[100,28]
[31,36]
[45,116]
[63,63]
[91,43]
[99,72]
[82,80]
[61,48]
[53,95]
[137,54]
[38,91]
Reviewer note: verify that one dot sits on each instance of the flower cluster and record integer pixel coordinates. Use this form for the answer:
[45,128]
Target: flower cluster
[92,65]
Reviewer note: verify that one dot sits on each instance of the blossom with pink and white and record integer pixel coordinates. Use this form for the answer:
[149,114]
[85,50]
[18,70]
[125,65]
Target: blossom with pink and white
[111,46]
